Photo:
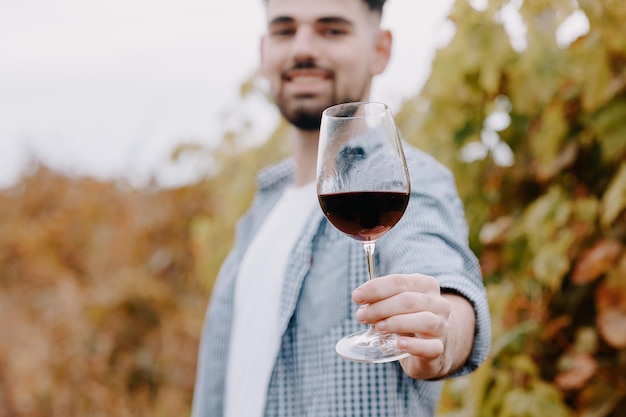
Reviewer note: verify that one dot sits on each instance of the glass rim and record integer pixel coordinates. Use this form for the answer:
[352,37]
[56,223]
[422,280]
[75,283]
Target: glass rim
[363,104]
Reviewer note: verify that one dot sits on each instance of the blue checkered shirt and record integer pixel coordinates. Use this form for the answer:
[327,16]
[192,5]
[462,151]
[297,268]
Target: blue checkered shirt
[308,377]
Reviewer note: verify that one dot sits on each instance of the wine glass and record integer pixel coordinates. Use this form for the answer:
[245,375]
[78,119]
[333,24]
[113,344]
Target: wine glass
[363,189]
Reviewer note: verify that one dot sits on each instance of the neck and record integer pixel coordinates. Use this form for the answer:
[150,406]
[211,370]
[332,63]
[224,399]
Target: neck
[304,152]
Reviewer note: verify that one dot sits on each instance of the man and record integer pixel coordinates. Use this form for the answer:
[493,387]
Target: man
[286,292]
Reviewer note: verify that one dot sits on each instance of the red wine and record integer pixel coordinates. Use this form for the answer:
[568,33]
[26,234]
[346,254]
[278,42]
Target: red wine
[364,215]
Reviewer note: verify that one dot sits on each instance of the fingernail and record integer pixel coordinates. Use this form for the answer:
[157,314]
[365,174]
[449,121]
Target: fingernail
[358,296]
[402,343]
[359,314]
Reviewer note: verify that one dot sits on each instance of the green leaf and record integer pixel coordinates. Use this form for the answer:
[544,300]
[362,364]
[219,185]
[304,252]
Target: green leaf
[551,263]
[545,216]
[544,225]
[547,143]
[540,400]
[597,73]
[614,199]
[609,125]
[512,336]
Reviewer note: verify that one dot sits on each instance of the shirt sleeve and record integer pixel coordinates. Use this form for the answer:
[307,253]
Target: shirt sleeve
[432,239]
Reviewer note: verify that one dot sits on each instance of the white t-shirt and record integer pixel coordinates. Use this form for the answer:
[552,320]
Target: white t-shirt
[255,335]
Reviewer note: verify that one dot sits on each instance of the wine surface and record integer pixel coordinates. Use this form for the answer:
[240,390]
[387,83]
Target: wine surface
[364,215]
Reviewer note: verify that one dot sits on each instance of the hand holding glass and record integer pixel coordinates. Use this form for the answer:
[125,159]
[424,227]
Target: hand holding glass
[363,189]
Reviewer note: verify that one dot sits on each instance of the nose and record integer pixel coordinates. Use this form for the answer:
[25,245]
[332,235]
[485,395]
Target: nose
[304,47]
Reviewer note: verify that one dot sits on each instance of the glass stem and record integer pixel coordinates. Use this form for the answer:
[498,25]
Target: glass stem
[371,272]
[369,255]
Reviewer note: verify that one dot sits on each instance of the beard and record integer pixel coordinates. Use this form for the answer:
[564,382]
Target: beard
[306,113]
[302,114]
[306,121]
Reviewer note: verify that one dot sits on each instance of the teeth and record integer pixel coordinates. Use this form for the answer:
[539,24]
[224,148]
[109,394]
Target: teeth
[305,79]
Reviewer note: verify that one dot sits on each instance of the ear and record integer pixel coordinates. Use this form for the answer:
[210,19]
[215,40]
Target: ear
[382,51]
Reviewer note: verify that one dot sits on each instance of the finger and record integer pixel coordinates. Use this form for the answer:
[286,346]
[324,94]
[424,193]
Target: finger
[424,348]
[424,324]
[389,285]
[403,304]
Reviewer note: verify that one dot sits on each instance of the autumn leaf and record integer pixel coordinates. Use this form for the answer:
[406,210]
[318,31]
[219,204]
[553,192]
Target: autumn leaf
[612,327]
[596,261]
[494,233]
[614,199]
[611,305]
[547,142]
[597,75]
[579,369]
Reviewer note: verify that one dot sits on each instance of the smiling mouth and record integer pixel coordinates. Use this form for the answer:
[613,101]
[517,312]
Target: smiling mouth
[307,75]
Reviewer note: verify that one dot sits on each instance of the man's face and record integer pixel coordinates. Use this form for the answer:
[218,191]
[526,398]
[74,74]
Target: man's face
[317,53]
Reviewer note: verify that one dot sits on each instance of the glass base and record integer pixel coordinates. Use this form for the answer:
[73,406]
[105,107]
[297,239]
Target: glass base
[369,347]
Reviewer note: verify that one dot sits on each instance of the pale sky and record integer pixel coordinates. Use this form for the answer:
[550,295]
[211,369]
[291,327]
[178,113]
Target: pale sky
[110,88]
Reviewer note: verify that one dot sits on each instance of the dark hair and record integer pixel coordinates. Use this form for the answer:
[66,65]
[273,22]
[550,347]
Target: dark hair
[374,5]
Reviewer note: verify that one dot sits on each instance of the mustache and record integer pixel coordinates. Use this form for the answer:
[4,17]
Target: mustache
[306,66]
[307,63]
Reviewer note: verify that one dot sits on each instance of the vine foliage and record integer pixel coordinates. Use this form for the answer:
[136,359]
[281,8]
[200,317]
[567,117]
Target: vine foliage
[536,137]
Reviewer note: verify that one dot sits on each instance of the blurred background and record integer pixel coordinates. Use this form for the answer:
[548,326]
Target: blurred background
[131,133]
[108,89]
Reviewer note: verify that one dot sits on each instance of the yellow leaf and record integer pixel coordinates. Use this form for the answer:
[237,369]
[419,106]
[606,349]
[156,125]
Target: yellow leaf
[614,199]
[547,143]
[551,262]
[597,77]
